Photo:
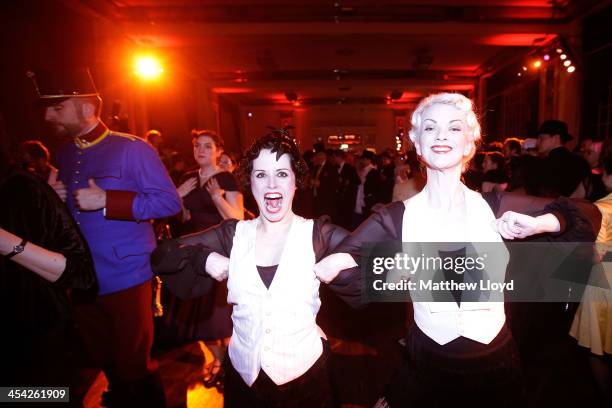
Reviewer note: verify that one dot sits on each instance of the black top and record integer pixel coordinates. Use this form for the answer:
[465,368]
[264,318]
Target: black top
[266,273]
[200,204]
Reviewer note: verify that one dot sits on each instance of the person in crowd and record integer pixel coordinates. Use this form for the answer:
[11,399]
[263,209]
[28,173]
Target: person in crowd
[35,158]
[324,184]
[495,177]
[278,356]
[591,151]
[593,186]
[495,147]
[210,195]
[592,325]
[154,137]
[368,191]
[179,166]
[512,148]
[165,152]
[348,182]
[227,161]
[475,173]
[525,175]
[564,170]
[112,183]
[512,153]
[457,354]
[530,147]
[44,257]
[409,180]
[387,176]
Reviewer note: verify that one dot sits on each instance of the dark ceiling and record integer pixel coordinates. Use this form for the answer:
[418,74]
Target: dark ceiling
[254,51]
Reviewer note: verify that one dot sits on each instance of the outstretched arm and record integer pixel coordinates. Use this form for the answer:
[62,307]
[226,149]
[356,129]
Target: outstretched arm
[342,261]
[578,219]
[187,264]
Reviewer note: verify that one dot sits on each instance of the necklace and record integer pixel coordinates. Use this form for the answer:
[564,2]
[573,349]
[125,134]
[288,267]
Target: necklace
[207,176]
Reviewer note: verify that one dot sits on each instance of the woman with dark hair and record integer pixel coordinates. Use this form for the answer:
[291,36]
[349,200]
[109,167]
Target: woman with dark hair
[227,161]
[495,178]
[278,356]
[209,196]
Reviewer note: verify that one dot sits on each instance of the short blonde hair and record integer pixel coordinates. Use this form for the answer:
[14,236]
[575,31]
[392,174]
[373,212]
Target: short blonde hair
[460,102]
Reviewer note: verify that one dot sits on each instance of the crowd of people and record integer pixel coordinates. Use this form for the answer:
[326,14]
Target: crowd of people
[243,242]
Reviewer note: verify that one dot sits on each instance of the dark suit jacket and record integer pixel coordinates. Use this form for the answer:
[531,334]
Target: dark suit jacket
[348,183]
[372,191]
[326,191]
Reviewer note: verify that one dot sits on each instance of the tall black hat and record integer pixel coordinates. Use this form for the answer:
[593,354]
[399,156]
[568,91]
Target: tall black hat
[52,85]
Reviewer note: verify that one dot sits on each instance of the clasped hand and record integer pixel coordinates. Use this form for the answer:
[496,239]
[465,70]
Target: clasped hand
[217,266]
[513,225]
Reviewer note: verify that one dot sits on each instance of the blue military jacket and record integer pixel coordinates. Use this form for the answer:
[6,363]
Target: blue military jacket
[121,163]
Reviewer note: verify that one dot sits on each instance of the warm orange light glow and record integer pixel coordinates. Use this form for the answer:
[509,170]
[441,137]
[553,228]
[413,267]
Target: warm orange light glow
[563,56]
[567,63]
[537,64]
[147,67]
[571,69]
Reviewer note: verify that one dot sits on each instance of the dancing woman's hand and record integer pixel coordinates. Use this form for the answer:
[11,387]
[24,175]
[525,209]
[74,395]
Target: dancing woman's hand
[217,266]
[187,187]
[329,267]
[513,225]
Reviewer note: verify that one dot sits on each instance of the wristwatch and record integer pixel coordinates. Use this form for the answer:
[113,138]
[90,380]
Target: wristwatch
[17,249]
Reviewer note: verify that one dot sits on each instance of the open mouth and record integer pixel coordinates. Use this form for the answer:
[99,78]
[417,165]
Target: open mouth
[274,202]
[441,149]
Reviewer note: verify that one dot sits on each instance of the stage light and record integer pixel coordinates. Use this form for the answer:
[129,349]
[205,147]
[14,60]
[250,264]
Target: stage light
[519,74]
[563,56]
[250,114]
[537,64]
[567,63]
[147,67]
[571,69]
[559,50]
[524,68]
[546,57]
[296,103]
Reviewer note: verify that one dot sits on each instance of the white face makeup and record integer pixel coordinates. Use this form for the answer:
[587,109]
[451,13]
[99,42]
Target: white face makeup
[273,185]
[443,141]
[205,151]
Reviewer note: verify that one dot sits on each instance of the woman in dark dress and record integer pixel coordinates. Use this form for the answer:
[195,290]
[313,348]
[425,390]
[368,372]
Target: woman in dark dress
[209,196]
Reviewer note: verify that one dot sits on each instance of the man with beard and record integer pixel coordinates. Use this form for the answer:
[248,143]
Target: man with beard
[112,183]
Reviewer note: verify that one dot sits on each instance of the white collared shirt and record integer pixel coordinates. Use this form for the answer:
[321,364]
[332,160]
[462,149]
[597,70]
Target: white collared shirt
[275,328]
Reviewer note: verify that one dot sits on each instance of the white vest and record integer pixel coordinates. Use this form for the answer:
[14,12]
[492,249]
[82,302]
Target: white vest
[446,321]
[274,329]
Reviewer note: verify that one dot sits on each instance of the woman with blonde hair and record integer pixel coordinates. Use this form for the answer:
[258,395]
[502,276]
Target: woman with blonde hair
[459,352]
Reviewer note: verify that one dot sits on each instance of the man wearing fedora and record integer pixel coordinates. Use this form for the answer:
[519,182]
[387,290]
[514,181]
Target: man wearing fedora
[113,184]
[564,170]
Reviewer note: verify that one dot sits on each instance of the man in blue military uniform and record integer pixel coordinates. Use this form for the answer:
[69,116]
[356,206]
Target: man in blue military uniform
[113,184]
